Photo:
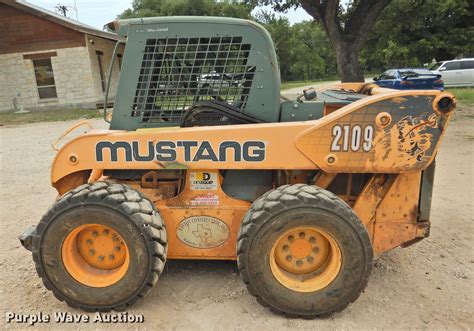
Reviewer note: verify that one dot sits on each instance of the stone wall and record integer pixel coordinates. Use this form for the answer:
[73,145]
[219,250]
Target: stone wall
[107,48]
[76,77]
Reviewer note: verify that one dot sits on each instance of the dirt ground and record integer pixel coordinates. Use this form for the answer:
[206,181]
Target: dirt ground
[426,286]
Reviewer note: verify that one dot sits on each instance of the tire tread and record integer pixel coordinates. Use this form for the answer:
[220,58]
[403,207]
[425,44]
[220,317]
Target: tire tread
[288,197]
[124,199]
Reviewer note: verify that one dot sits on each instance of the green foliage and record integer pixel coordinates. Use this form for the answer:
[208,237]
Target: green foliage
[412,33]
[407,33]
[149,8]
[303,50]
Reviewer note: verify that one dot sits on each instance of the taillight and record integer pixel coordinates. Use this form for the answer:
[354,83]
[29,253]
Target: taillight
[406,82]
[439,81]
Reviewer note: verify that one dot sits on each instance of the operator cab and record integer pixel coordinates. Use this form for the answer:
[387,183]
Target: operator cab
[195,71]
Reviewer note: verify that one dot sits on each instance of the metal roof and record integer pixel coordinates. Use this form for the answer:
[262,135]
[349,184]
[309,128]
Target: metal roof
[58,19]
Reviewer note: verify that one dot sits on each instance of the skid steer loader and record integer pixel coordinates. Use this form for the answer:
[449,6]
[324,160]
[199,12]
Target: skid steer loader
[204,160]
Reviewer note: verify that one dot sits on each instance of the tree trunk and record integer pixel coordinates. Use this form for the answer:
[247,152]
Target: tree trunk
[348,63]
[348,37]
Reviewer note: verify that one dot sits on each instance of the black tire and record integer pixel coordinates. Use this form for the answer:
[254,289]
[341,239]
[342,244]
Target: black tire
[113,205]
[293,206]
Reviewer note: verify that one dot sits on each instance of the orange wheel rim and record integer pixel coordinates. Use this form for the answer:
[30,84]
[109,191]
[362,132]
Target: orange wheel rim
[95,255]
[305,259]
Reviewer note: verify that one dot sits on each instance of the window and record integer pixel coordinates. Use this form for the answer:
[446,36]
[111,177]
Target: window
[45,78]
[467,64]
[436,66]
[119,57]
[386,75]
[173,71]
[456,65]
[393,74]
[101,69]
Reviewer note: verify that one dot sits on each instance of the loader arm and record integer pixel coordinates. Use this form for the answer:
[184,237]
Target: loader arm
[385,133]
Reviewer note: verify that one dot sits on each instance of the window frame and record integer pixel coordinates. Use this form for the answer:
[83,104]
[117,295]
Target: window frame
[464,64]
[120,58]
[103,82]
[38,87]
[452,62]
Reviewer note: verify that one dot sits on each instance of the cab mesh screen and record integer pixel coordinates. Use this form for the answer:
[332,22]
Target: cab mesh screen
[177,72]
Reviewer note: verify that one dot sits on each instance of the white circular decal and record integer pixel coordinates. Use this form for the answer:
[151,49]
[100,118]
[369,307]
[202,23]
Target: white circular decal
[203,232]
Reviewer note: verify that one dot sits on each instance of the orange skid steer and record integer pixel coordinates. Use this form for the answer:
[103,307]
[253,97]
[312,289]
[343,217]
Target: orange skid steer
[204,161]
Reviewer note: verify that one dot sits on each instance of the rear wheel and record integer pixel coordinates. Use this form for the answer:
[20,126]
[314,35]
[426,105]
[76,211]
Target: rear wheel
[100,247]
[303,252]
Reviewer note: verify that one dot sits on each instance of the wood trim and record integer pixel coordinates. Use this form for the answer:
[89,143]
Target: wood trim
[36,56]
[69,24]
[26,33]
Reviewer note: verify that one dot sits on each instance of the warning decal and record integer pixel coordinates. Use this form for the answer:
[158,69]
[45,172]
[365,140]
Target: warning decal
[207,199]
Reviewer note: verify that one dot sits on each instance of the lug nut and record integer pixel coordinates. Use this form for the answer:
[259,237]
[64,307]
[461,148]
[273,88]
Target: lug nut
[106,232]
[312,240]
[315,250]
[111,256]
[291,238]
[101,258]
[117,248]
[285,247]
[309,259]
[301,235]
[89,242]
[91,252]
[299,263]
[95,233]
[289,258]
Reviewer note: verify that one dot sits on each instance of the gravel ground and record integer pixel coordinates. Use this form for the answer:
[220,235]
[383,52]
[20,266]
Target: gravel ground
[426,286]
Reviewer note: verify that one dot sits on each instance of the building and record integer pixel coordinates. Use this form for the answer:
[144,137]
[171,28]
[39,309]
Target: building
[48,61]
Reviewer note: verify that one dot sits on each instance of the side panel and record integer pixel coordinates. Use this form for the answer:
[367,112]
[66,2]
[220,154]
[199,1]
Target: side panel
[396,134]
[202,222]
[349,140]
[396,217]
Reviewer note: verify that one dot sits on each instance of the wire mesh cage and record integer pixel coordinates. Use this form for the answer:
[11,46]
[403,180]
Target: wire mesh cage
[176,73]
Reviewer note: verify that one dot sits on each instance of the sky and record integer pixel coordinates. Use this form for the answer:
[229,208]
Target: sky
[99,12]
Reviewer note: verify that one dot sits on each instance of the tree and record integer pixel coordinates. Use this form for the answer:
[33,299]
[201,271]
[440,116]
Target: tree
[303,50]
[347,28]
[312,53]
[149,8]
[433,30]
[282,36]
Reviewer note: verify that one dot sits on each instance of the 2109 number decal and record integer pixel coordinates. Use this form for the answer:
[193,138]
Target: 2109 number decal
[352,138]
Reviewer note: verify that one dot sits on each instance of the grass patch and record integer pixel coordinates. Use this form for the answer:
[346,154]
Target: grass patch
[464,95]
[48,116]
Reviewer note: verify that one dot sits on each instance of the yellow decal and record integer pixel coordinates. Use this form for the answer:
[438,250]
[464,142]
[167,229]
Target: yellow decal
[203,181]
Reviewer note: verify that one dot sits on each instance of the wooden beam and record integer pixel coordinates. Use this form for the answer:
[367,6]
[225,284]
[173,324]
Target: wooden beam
[36,56]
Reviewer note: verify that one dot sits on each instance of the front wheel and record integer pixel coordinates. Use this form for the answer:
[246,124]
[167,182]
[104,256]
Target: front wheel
[303,252]
[100,247]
